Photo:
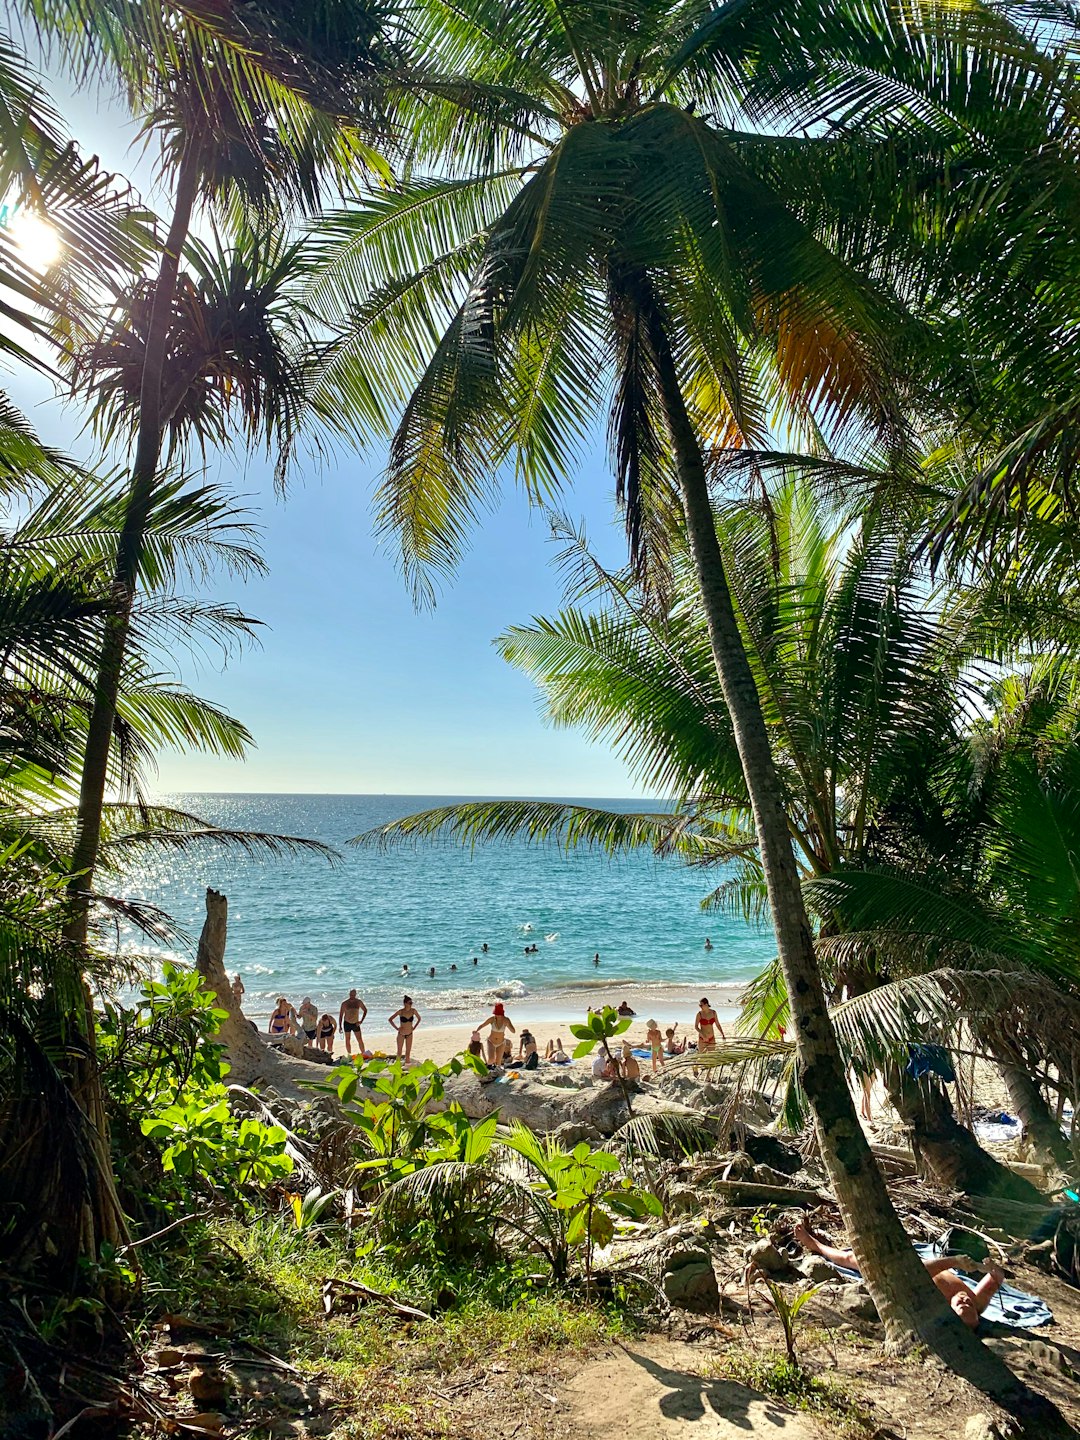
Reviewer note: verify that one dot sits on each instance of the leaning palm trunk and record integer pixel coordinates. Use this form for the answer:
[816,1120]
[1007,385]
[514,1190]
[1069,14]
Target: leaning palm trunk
[1032,1111]
[948,1150]
[910,1306]
[102,1219]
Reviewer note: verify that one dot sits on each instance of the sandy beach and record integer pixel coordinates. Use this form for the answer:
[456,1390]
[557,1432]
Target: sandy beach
[440,1042]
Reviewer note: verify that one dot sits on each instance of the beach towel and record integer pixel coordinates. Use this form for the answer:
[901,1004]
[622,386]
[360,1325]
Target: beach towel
[642,1052]
[1009,1306]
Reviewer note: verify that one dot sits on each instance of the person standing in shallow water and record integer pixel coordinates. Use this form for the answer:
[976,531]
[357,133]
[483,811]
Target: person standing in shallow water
[350,1020]
[596,958]
[408,1018]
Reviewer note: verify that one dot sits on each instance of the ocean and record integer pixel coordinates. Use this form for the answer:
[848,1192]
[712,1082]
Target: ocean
[302,926]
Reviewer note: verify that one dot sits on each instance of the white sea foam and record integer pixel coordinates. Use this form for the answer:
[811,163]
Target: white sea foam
[552,937]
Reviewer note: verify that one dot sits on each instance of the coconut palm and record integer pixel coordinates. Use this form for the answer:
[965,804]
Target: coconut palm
[253,114]
[614,246]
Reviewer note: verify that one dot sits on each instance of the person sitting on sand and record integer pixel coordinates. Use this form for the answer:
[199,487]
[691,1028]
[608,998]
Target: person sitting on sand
[528,1055]
[624,1009]
[282,1018]
[350,1020]
[408,1018]
[308,1016]
[602,1067]
[629,1067]
[655,1042]
[237,991]
[499,1023]
[671,1045]
[706,1023]
[966,1302]
[327,1029]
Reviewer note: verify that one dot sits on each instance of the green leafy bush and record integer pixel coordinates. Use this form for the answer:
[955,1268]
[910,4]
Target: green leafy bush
[161,1064]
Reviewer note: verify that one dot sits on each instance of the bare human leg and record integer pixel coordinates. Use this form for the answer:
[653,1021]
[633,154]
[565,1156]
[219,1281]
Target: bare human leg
[809,1241]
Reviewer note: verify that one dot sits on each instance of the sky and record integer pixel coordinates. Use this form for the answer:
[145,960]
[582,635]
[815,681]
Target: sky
[352,690]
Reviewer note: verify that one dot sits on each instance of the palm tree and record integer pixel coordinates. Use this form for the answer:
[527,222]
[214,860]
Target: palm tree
[55,1175]
[864,696]
[613,246]
[254,114]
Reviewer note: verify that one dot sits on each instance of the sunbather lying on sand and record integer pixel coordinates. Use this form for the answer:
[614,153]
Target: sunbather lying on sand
[966,1302]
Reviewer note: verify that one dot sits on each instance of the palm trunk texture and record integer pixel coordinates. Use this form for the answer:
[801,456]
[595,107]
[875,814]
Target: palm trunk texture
[948,1150]
[910,1306]
[102,1219]
[1034,1114]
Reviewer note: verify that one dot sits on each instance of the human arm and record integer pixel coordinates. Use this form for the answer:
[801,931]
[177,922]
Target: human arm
[510,1025]
[363,1017]
[484,1023]
[988,1287]
[392,1018]
[416,1017]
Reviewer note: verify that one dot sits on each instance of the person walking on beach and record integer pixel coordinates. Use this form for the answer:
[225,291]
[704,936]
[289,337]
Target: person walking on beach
[350,1020]
[327,1029]
[408,1018]
[500,1023]
[309,1019]
[655,1042]
[706,1023]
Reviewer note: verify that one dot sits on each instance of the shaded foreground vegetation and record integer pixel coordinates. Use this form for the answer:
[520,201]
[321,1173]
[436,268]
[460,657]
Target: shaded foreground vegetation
[814,270]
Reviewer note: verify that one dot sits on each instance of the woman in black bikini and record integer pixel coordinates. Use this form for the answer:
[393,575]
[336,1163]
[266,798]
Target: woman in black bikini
[326,1033]
[408,1018]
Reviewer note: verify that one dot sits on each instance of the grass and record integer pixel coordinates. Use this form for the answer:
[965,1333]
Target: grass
[774,1374]
[263,1282]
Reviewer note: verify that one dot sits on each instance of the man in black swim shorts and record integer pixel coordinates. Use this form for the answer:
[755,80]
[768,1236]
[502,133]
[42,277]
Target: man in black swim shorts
[350,1019]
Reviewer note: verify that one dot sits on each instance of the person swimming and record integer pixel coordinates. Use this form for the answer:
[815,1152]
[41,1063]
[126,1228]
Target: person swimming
[483,950]
[474,960]
[431,972]
[708,943]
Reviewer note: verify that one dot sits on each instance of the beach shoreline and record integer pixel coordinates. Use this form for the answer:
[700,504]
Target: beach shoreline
[441,1040]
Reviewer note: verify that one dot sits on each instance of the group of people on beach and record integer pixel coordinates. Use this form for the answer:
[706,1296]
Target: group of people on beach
[496,1047]
[319,1030]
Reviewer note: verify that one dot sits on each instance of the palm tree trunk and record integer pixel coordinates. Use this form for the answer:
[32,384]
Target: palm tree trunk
[949,1150]
[1032,1111]
[102,1219]
[95,769]
[910,1306]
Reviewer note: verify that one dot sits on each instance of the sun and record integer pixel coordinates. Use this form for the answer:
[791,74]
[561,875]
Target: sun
[38,242]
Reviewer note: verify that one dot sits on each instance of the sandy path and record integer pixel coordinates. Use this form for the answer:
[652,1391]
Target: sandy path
[653,1390]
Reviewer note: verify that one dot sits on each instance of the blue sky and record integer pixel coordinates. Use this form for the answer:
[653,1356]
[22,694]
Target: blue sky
[352,690]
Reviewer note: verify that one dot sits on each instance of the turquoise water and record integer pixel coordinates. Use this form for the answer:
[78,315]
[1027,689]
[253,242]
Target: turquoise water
[303,926]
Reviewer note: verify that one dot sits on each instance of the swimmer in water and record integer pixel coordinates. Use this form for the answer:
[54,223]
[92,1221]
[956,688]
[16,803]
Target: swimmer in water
[708,943]
[431,972]
[474,961]
[596,958]
[404,969]
[453,967]
[483,950]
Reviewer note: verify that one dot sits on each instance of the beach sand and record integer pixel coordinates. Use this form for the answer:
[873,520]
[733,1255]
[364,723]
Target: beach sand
[441,1042]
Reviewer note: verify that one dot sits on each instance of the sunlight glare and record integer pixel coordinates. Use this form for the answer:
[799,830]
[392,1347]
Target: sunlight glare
[38,241]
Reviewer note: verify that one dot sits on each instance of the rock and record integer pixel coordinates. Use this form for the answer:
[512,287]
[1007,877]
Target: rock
[983,1427]
[689,1281]
[767,1150]
[763,1255]
[209,1386]
[573,1132]
[739,1167]
[682,1200]
[854,1300]
[814,1268]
